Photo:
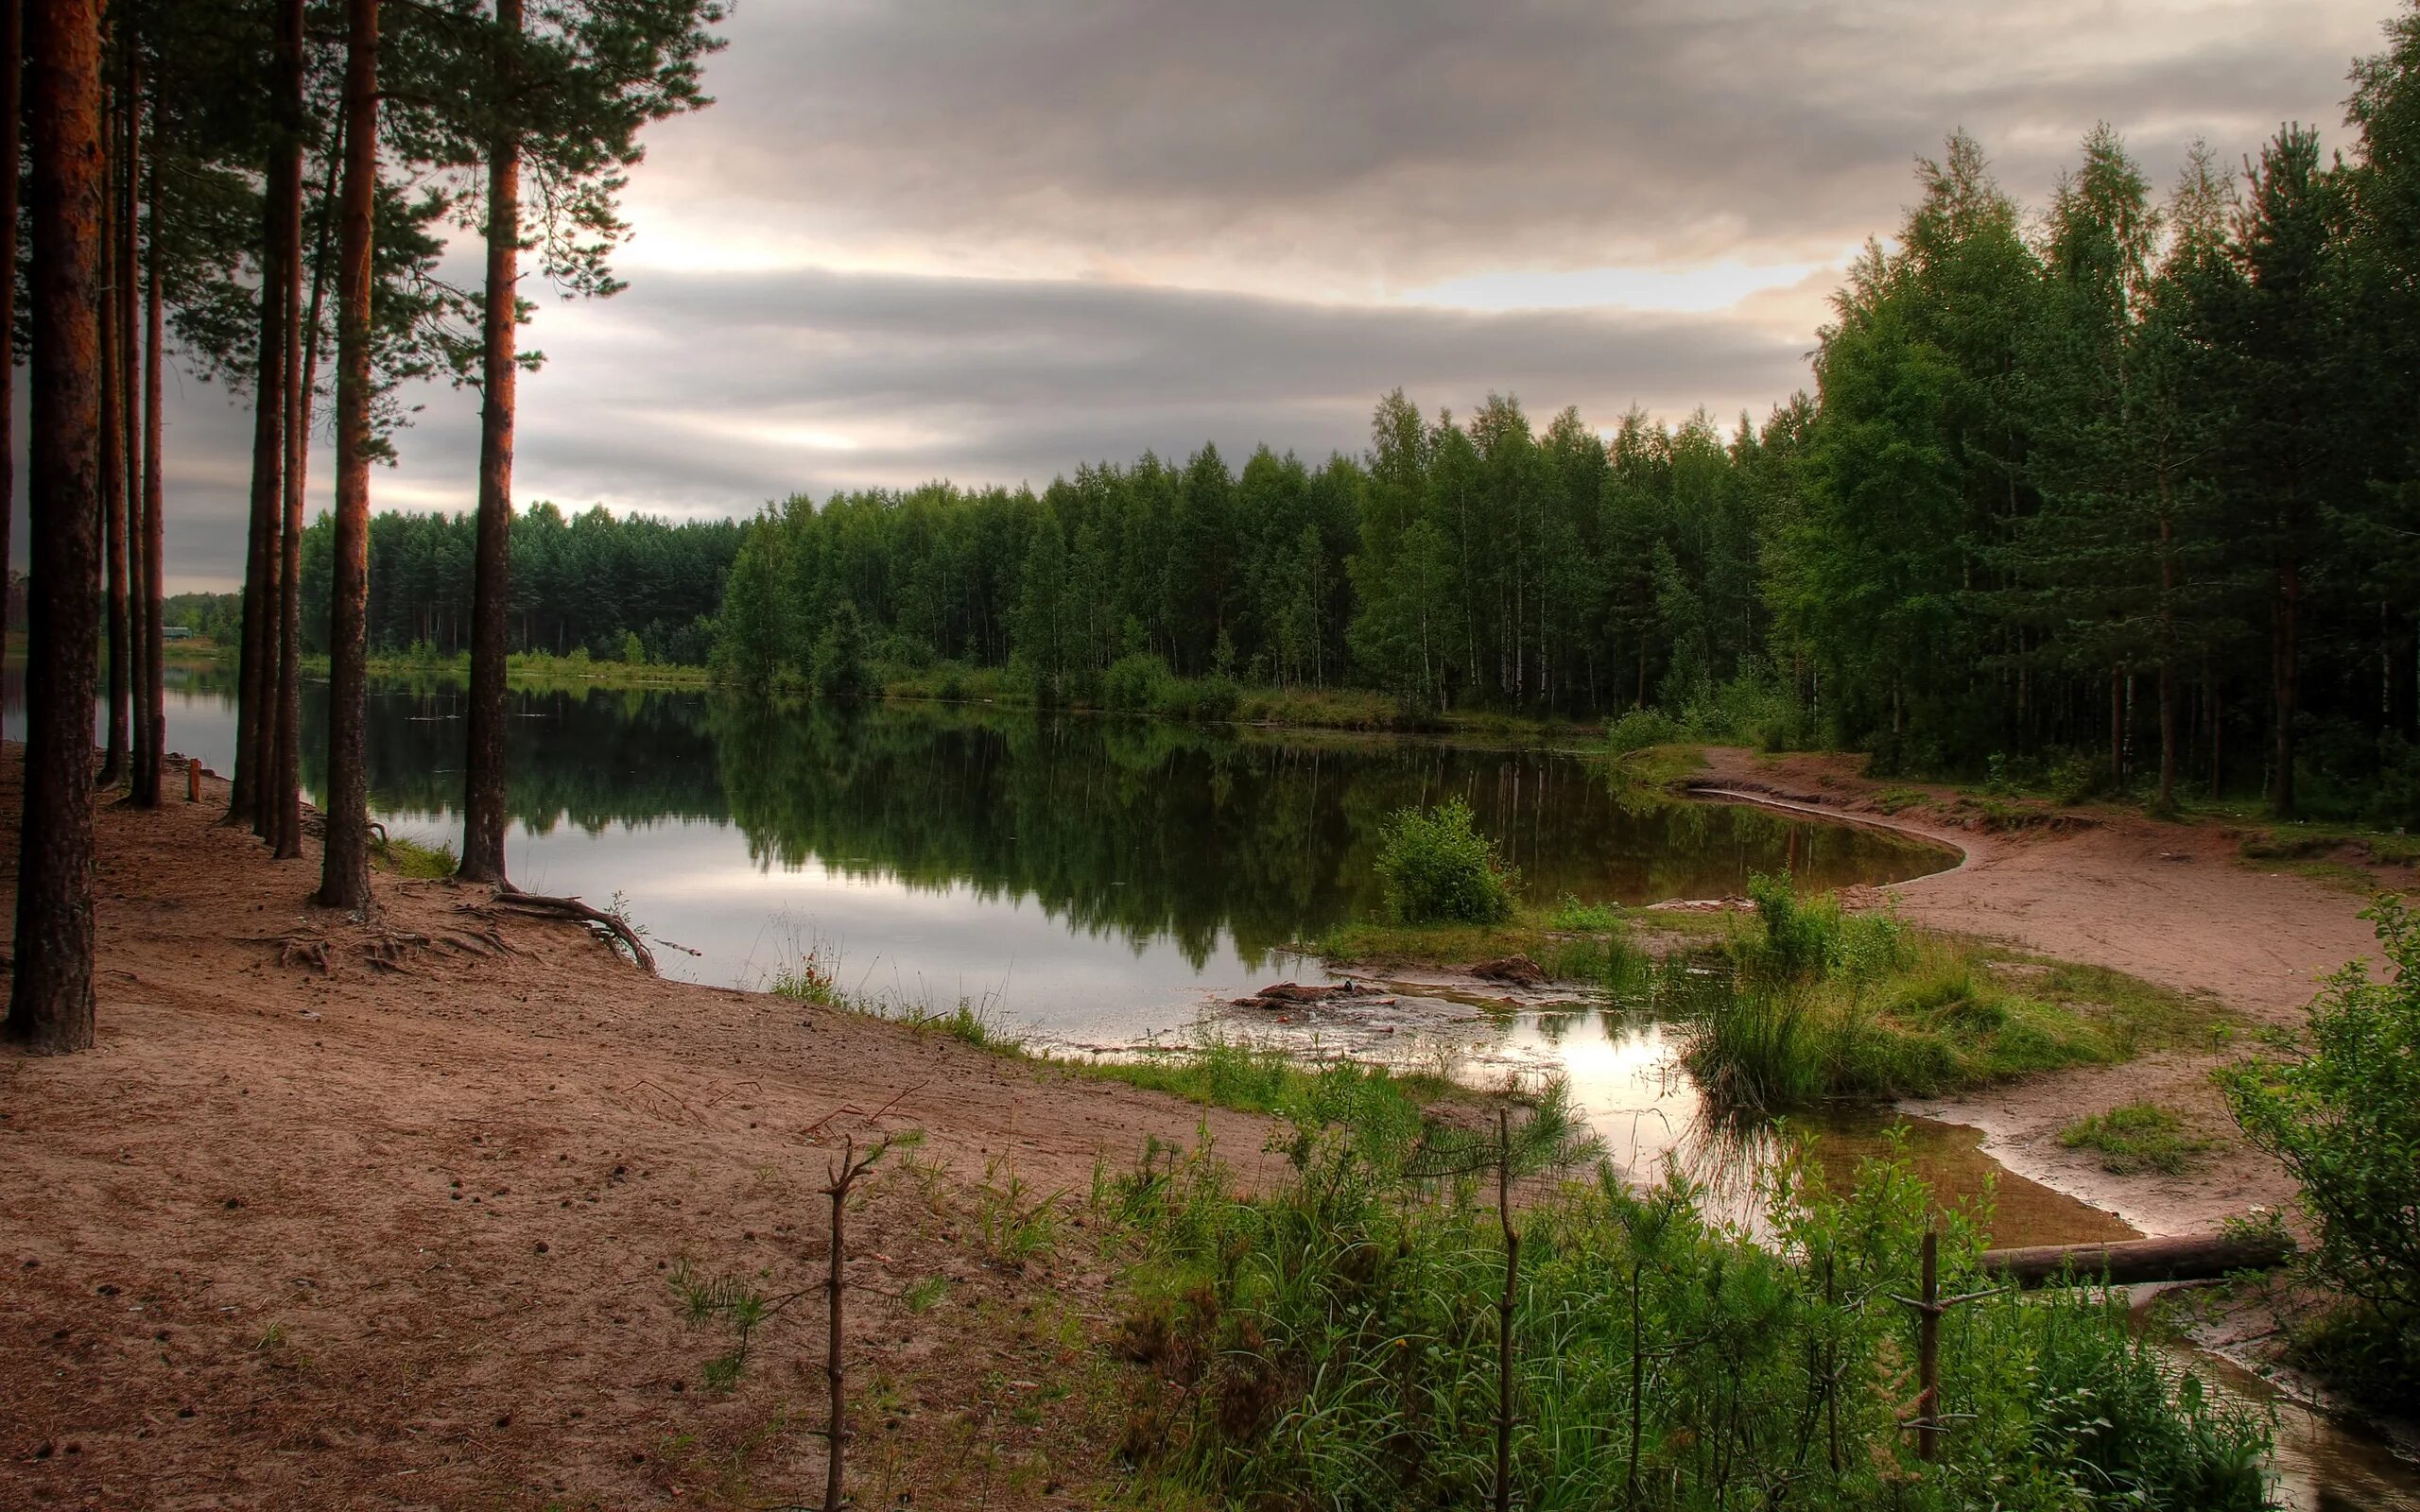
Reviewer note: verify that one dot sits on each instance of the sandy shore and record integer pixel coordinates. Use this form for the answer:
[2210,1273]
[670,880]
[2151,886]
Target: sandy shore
[398,1232]
[2172,904]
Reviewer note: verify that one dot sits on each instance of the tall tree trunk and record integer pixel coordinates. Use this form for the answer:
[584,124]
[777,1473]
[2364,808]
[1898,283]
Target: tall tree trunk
[12,72]
[483,786]
[155,554]
[143,786]
[344,878]
[2285,685]
[256,680]
[283,794]
[114,763]
[50,996]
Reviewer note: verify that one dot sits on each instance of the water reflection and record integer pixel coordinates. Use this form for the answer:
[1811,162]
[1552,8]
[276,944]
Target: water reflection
[1098,878]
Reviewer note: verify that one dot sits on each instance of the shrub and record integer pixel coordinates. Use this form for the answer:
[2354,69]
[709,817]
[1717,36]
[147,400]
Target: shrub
[1133,683]
[1639,730]
[2344,1117]
[1437,868]
[633,649]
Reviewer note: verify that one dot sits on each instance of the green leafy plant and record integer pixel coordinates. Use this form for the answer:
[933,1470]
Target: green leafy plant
[2344,1115]
[1436,867]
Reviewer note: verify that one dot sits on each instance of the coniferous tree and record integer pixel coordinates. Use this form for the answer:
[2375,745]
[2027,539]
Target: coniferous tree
[51,1000]
[344,878]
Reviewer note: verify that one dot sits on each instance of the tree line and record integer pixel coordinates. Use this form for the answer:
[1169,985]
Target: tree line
[2130,484]
[263,188]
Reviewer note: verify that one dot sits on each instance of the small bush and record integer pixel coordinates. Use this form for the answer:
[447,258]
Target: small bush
[1134,684]
[1639,730]
[1437,868]
[2344,1116]
[2136,1137]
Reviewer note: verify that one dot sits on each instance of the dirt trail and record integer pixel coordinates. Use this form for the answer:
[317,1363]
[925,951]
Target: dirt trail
[2171,904]
[398,1233]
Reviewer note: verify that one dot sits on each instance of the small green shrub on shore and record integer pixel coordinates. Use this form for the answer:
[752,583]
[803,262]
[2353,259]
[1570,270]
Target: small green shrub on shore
[2344,1115]
[2136,1137]
[1436,867]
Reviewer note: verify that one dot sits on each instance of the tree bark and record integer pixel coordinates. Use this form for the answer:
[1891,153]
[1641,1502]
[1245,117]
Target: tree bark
[344,877]
[113,762]
[283,795]
[257,677]
[12,69]
[484,775]
[50,999]
[155,687]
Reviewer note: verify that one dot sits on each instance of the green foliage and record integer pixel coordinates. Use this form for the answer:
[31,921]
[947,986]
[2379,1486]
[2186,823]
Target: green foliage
[1436,867]
[2344,1117]
[1815,1003]
[407,857]
[591,583]
[1639,730]
[2136,1137]
[1334,1344]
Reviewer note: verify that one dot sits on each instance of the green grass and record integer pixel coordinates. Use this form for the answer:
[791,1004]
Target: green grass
[1819,1006]
[1218,1073]
[407,857]
[1333,1342]
[2136,1137]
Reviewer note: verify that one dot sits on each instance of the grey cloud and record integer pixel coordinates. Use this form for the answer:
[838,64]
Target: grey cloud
[670,399]
[1409,142]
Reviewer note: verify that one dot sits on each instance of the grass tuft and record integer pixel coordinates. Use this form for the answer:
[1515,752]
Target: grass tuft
[2136,1137]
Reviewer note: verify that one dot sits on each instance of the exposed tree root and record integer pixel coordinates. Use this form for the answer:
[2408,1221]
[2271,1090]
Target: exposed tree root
[609,925]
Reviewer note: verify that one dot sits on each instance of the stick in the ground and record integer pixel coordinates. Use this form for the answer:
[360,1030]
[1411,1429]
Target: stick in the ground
[844,1175]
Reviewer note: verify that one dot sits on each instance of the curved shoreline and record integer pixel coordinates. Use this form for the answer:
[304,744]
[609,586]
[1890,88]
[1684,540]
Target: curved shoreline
[1964,852]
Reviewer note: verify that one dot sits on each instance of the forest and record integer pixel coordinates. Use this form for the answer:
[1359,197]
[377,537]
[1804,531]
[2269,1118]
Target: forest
[2123,489]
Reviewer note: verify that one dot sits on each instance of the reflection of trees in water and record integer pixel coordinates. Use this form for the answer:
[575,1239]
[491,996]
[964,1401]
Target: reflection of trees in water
[1135,828]
[585,757]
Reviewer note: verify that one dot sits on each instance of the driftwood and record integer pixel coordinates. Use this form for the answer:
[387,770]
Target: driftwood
[612,925]
[1293,995]
[2187,1258]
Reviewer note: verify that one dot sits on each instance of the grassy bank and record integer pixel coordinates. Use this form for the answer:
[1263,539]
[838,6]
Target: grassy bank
[1812,1003]
[1365,1337]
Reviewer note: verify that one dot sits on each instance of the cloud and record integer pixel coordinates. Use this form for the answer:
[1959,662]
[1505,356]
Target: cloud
[1364,149]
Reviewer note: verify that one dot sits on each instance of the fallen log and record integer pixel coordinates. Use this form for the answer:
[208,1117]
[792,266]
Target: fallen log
[612,925]
[2124,1262]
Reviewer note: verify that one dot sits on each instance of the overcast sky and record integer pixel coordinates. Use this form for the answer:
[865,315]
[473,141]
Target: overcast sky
[938,238]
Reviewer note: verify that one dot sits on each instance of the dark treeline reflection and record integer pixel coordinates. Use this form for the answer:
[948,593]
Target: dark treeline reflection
[1133,829]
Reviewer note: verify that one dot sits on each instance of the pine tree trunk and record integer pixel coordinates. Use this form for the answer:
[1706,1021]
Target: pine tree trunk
[257,678]
[344,878]
[484,779]
[130,378]
[50,998]
[113,762]
[155,684]
[282,793]
[12,70]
